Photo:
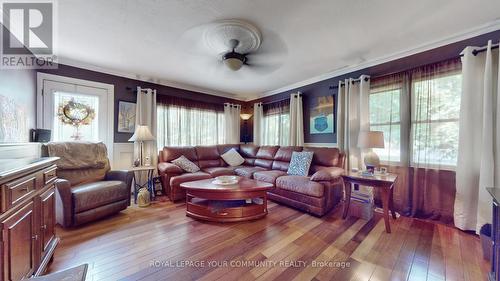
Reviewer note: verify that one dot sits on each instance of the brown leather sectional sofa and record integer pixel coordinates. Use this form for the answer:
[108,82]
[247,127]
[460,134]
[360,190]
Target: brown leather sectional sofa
[316,194]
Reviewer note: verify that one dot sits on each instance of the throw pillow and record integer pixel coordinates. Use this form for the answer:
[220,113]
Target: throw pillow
[186,164]
[300,163]
[232,158]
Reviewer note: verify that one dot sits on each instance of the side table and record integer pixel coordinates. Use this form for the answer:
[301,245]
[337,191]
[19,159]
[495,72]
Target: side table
[149,184]
[384,182]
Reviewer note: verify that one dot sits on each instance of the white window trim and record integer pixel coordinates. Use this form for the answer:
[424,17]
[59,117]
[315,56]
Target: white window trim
[110,88]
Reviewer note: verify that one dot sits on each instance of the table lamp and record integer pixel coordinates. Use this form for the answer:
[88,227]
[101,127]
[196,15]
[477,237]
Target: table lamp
[369,140]
[141,134]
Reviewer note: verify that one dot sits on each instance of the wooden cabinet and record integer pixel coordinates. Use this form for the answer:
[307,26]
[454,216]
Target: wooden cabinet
[47,211]
[19,241]
[27,220]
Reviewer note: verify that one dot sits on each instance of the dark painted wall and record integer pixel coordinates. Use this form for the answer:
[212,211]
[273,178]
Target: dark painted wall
[122,93]
[322,88]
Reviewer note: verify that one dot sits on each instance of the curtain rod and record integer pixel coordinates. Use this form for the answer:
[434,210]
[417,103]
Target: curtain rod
[270,102]
[135,90]
[475,52]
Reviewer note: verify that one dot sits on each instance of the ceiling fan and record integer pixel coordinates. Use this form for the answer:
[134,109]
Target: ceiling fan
[234,45]
[234,60]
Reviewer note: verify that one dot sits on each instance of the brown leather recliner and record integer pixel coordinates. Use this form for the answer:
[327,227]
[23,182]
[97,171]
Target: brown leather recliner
[86,189]
[316,193]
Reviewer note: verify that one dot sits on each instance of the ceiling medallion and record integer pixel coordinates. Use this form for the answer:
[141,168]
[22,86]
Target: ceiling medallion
[219,34]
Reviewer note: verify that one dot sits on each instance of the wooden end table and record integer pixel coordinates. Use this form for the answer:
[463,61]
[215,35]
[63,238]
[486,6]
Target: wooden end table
[384,182]
[226,203]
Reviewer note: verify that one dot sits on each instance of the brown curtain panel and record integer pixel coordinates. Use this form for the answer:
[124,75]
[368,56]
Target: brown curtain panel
[428,130]
[277,107]
[188,103]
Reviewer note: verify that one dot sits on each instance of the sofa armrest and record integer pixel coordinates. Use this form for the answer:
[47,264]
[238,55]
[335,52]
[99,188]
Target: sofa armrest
[327,174]
[123,176]
[120,175]
[64,203]
[169,168]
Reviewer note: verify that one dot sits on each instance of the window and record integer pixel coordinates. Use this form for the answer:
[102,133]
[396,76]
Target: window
[276,123]
[418,111]
[63,131]
[276,129]
[436,107]
[385,116]
[183,126]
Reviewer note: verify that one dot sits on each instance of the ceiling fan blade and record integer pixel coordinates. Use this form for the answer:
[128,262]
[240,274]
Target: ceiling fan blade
[262,69]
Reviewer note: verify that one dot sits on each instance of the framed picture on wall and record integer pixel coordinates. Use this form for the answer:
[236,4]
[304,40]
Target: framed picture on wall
[126,117]
[322,119]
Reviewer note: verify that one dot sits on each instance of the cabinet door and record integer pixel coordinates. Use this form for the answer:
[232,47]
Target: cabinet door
[47,231]
[19,241]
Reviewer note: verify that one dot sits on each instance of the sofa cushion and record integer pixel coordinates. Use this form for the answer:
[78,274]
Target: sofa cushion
[300,163]
[247,172]
[208,156]
[324,156]
[268,176]
[207,152]
[267,152]
[249,152]
[233,158]
[219,171]
[263,163]
[177,180]
[283,157]
[173,152]
[223,148]
[95,194]
[301,185]
[185,164]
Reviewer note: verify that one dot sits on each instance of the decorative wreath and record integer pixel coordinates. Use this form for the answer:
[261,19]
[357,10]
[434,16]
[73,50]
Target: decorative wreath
[75,113]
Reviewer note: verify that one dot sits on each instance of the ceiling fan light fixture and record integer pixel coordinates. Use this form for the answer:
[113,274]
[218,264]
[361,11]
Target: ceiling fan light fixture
[233,60]
[233,64]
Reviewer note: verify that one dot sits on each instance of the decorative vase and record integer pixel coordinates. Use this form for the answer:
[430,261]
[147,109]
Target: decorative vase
[143,198]
[137,162]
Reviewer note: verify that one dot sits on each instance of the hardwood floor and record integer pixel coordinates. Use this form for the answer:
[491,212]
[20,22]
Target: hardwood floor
[156,243]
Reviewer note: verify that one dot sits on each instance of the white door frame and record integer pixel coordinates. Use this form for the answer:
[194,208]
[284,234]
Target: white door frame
[110,88]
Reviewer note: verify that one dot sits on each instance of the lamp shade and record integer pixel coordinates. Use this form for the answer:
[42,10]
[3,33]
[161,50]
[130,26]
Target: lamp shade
[142,133]
[245,116]
[371,139]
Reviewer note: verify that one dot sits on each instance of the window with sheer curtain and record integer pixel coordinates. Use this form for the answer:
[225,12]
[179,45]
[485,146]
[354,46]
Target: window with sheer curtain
[418,112]
[385,115]
[435,100]
[180,125]
[276,123]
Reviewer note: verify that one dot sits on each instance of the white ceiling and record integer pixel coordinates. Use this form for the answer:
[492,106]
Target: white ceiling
[141,38]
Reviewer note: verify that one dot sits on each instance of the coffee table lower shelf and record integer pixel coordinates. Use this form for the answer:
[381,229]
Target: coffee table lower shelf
[225,210]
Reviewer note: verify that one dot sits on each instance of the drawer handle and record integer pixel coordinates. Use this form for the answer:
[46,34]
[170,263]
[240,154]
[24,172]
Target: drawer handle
[44,227]
[27,189]
[223,214]
[35,237]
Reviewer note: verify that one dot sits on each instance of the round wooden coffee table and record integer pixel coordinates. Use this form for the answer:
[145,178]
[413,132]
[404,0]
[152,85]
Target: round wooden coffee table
[245,200]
